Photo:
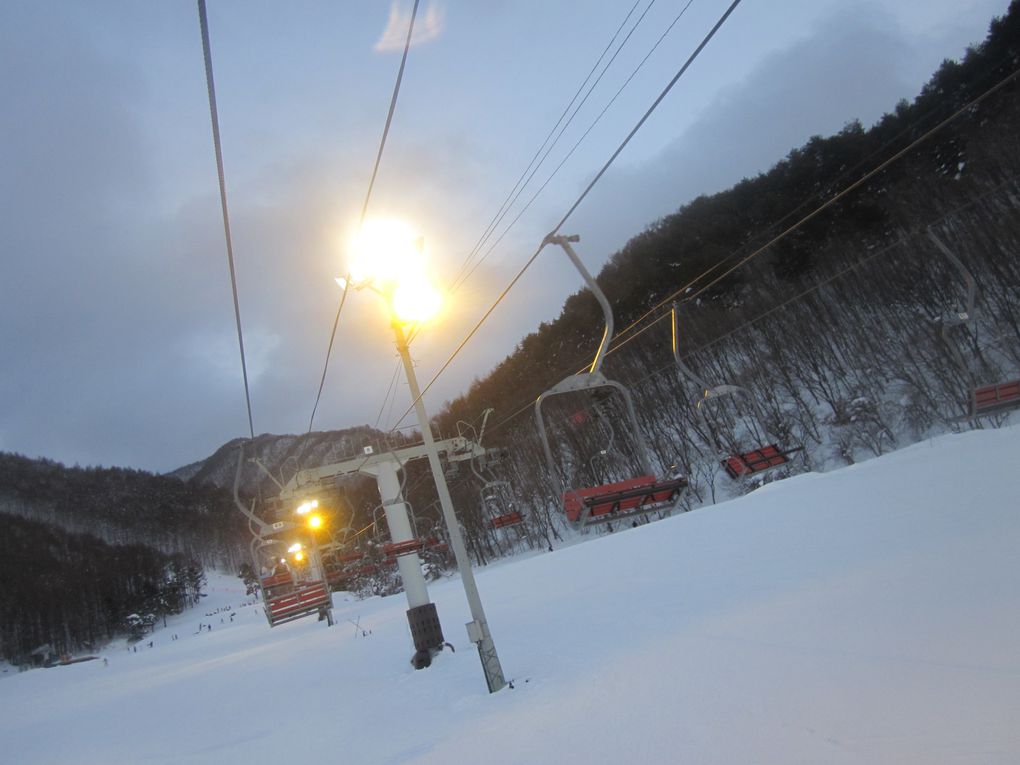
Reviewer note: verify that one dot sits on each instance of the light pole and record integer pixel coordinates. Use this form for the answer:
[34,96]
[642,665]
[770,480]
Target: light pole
[478,628]
[392,258]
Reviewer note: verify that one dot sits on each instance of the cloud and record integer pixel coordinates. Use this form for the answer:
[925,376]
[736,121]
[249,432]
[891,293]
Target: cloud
[427,28]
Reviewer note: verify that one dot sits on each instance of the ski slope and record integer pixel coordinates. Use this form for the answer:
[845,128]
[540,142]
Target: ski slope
[868,615]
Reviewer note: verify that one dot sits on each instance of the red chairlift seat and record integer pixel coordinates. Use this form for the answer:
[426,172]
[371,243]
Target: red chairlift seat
[351,557]
[276,580]
[578,418]
[435,543]
[612,501]
[396,549]
[512,518]
[364,570]
[336,574]
[996,397]
[755,461]
[306,598]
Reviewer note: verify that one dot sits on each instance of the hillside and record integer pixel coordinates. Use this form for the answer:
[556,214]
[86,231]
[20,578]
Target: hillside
[84,549]
[816,287]
[123,506]
[282,455]
[865,615]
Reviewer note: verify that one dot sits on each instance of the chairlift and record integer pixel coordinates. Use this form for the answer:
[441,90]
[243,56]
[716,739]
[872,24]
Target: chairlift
[452,470]
[984,398]
[391,551]
[289,594]
[494,455]
[432,536]
[738,461]
[494,495]
[498,509]
[613,500]
[495,500]
[286,597]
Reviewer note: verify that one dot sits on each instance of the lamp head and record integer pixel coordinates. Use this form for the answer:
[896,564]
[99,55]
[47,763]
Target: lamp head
[415,300]
[307,506]
[388,257]
[383,253]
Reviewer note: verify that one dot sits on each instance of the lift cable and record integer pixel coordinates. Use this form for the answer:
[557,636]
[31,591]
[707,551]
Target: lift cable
[508,199]
[576,144]
[690,60]
[386,398]
[214,116]
[364,206]
[532,168]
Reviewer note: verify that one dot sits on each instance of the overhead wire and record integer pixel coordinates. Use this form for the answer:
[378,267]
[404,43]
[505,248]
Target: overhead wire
[552,145]
[386,398]
[508,200]
[598,176]
[217,144]
[368,197]
[579,141]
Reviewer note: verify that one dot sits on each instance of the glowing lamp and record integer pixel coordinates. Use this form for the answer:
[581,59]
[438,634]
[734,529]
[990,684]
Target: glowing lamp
[307,506]
[384,252]
[416,301]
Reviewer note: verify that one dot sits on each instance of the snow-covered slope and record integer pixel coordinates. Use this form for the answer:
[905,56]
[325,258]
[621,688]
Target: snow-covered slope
[869,615]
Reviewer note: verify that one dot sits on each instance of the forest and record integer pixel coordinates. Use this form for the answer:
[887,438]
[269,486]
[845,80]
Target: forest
[86,549]
[72,592]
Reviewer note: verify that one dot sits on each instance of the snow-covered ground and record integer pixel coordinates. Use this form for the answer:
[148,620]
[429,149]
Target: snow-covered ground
[869,615]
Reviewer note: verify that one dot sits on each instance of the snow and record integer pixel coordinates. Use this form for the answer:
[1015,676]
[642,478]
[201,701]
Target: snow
[868,615]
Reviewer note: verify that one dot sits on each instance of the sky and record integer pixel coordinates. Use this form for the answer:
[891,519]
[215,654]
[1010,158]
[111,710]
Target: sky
[855,616]
[117,328]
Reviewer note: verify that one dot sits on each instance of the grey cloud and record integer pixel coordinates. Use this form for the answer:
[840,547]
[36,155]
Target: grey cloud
[849,69]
